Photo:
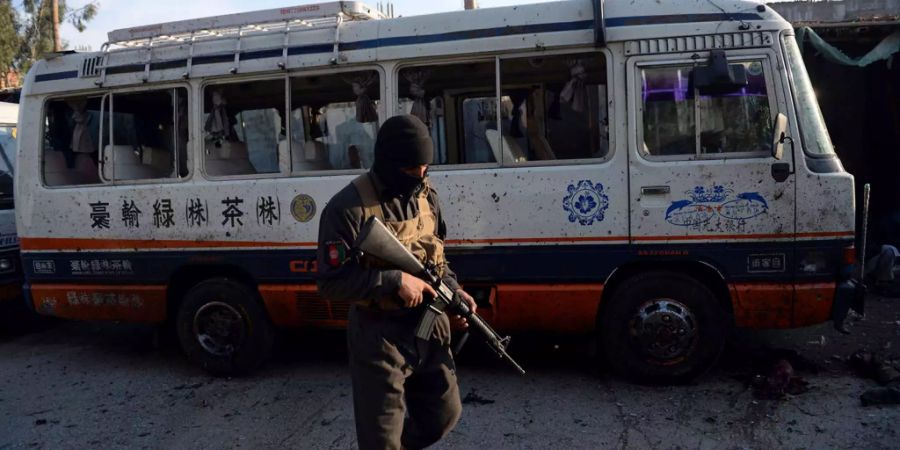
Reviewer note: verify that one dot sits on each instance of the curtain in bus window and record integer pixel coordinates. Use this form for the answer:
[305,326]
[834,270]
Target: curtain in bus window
[81,138]
[365,107]
[218,123]
[417,79]
[574,92]
[738,122]
[479,117]
[553,108]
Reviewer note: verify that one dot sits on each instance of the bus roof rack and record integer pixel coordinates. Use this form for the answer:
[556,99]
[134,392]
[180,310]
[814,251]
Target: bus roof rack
[224,24]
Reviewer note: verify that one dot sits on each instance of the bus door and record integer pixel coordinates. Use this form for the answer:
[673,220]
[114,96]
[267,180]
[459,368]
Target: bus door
[704,180]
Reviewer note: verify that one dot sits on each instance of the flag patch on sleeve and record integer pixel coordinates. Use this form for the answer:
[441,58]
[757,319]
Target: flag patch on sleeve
[337,253]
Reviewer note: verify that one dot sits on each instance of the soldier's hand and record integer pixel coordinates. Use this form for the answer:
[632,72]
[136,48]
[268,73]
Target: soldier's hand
[460,321]
[412,290]
[468,299]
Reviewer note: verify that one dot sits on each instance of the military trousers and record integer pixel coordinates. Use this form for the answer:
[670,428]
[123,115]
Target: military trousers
[405,393]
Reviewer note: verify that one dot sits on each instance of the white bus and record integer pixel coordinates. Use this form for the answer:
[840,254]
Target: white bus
[649,172]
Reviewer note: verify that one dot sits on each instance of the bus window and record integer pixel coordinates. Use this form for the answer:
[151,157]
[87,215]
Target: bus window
[554,108]
[748,127]
[7,155]
[457,102]
[334,121]
[668,111]
[147,134]
[676,124]
[243,124]
[70,144]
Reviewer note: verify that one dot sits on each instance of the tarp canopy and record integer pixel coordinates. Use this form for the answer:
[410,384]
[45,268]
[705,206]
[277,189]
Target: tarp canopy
[885,49]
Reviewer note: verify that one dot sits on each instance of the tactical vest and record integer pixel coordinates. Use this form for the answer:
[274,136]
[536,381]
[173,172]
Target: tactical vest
[418,234]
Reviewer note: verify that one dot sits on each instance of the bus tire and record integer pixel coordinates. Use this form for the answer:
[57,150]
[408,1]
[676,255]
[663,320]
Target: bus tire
[223,327]
[662,328]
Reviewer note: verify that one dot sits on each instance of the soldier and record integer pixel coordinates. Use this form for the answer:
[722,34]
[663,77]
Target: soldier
[393,373]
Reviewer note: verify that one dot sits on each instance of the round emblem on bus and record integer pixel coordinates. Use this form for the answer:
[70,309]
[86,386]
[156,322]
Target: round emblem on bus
[303,208]
[586,202]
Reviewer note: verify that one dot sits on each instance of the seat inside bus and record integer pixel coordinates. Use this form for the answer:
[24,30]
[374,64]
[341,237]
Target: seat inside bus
[57,173]
[228,158]
[136,163]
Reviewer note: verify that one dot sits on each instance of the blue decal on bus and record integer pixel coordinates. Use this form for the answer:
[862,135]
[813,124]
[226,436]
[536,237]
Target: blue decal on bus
[707,202]
[586,202]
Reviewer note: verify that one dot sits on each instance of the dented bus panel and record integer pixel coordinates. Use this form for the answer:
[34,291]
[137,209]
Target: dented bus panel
[608,167]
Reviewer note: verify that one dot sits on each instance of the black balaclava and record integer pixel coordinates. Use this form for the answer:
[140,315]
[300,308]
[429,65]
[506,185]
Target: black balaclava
[403,142]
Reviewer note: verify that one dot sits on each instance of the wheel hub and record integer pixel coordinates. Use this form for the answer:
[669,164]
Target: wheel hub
[219,328]
[664,329]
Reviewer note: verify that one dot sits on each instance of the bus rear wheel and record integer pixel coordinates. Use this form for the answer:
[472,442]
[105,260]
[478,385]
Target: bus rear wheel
[662,328]
[223,327]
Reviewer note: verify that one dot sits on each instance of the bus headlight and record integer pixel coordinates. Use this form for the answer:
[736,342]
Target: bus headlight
[6,265]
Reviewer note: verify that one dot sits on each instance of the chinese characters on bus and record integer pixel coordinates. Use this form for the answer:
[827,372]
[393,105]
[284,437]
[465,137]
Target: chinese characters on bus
[231,214]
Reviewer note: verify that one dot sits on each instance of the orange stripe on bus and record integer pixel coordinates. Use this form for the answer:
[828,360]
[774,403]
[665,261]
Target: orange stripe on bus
[812,303]
[533,307]
[536,240]
[781,305]
[713,237]
[570,308]
[300,305]
[131,303]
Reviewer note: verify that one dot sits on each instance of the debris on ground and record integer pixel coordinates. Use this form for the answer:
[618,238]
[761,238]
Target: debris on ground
[875,366]
[881,396]
[778,382]
[472,398]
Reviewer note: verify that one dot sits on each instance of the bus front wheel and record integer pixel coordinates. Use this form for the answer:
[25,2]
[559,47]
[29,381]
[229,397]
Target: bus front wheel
[662,327]
[223,327]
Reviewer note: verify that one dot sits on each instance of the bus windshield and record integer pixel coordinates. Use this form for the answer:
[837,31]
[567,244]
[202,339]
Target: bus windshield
[816,141]
[7,155]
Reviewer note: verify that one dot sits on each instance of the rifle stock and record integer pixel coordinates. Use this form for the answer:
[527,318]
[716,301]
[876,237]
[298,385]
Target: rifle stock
[376,240]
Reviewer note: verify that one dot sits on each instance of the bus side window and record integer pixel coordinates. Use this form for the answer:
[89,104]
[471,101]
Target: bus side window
[748,127]
[554,107]
[733,122]
[334,121]
[147,135]
[70,145]
[668,111]
[458,103]
[242,126]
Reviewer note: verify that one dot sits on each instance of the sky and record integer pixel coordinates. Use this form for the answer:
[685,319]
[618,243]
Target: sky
[115,14]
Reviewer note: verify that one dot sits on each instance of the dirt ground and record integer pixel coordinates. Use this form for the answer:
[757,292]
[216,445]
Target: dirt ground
[101,385]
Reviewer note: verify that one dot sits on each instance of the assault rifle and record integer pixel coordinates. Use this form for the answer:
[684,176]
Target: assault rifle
[377,241]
